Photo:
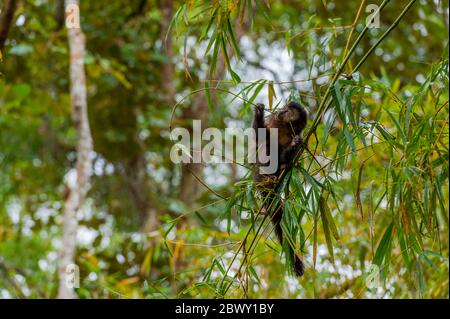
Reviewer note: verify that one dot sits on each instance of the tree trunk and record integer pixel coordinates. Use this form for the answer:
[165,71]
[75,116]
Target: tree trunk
[60,14]
[136,177]
[168,85]
[6,17]
[77,194]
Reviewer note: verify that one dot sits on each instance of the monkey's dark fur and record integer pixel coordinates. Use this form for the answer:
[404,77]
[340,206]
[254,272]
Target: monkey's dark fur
[290,121]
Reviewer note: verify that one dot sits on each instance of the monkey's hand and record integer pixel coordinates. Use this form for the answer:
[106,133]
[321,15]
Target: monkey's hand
[259,109]
[258,119]
[288,152]
[296,141]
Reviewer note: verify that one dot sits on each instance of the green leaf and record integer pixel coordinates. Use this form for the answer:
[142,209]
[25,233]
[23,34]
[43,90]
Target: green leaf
[208,27]
[383,245]
[328,125]
[342,112]
[219,265]
[326,228]
[287,40]
[214,57]
[233,74]
[172,225]
[208,95]
[202,219]
[325,209]
[21,91]
[253,273]
[271,94]
[233,39]
[420,276]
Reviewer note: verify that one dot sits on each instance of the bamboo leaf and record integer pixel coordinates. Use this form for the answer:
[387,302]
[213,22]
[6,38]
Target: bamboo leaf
[271,94]
[234,43]
[358,192]
[329,218]
[315,241]
[253,273]
[233,74]
[201,218]
[208,95]
[383,245]
[326,228]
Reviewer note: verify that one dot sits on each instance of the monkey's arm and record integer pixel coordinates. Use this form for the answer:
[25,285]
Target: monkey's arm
[258,119]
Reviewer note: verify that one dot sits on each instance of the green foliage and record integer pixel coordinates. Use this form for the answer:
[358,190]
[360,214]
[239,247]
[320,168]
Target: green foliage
[370,186]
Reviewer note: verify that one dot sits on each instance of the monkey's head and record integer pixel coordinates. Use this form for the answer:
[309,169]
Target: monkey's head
[293,114]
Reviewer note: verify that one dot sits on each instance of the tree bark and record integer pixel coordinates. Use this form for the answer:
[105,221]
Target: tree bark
[60,14]
[6,17]
[74,202]
[168,74]
[137,180]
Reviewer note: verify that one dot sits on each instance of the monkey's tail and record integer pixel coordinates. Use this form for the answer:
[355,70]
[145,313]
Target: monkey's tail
[297,262]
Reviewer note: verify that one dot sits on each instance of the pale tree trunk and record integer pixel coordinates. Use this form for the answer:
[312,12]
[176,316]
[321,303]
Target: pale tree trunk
[6,17]
[74,201]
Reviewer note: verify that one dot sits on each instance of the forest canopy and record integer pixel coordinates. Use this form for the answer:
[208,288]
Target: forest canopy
[91,91]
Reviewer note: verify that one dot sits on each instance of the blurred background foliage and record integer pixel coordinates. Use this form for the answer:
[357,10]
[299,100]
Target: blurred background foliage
[371,190]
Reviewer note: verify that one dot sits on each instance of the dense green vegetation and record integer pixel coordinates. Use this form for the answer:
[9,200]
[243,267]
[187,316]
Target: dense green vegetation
[366,198]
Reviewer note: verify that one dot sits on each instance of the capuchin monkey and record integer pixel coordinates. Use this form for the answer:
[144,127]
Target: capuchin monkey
[290,121]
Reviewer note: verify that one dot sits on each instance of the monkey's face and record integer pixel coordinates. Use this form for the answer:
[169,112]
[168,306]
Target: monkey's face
[292,112]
